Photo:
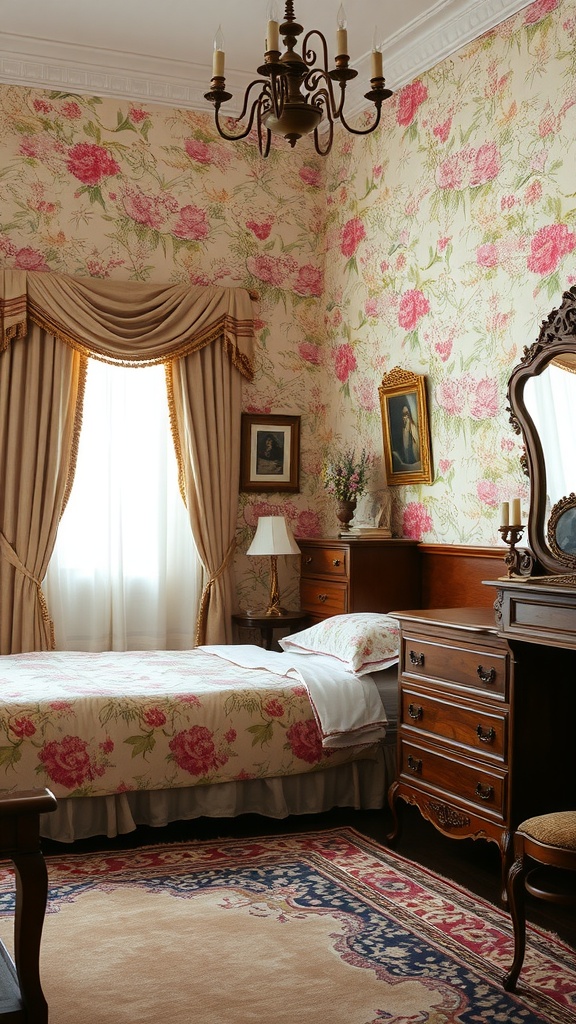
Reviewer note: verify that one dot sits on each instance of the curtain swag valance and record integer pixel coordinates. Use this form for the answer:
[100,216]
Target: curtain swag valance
[127,324]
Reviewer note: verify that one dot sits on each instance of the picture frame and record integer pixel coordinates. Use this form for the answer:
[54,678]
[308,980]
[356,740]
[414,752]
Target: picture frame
[270,452]
[405,428]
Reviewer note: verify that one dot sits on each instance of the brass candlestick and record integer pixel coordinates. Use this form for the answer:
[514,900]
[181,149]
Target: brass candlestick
[519,563]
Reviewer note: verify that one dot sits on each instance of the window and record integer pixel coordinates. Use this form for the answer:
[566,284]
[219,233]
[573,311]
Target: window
[125,573]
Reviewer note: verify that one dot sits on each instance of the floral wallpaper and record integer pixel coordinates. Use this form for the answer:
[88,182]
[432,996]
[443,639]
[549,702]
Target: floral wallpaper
[438,244]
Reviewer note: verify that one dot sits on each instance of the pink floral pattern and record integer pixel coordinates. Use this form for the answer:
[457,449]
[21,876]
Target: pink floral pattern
[95,724]
[438,244]
[90,163]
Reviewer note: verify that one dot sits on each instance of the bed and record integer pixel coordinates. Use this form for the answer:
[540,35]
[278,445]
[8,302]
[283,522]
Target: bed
[130,738]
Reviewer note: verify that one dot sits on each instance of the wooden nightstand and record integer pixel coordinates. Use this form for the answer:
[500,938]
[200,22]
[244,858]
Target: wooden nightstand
[340,576]
[268,623]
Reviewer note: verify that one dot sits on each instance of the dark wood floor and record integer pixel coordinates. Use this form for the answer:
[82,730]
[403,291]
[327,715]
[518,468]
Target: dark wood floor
[473,864]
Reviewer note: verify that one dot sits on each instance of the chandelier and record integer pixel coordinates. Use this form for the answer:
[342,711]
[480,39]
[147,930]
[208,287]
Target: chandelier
[294,97]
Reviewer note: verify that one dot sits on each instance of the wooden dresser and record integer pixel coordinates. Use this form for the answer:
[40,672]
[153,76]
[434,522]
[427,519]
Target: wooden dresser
[485,728]
[339,576]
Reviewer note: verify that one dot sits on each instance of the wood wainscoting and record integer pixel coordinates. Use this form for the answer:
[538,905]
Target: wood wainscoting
[452,575]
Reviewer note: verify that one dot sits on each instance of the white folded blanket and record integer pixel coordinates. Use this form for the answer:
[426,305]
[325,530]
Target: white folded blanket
[347,708]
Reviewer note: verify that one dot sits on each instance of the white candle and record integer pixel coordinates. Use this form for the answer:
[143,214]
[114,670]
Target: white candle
[218,55]
[273,36]
[376,64]
[504,517]
[516,513]
[341,34]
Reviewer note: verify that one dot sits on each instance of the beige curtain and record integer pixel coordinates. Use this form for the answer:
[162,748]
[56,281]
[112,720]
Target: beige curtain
[40,409]
[206,412]
[41,385]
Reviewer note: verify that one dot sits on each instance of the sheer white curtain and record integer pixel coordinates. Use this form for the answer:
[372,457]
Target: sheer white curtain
[125,574]
[551,400]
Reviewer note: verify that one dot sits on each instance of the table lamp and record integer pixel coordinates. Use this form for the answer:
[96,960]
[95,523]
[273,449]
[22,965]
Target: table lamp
[273,537]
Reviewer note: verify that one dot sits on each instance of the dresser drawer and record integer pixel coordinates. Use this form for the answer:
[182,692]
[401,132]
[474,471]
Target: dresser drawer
[324,562]
[323,598]
[482,786]
[474,668]
[477,728]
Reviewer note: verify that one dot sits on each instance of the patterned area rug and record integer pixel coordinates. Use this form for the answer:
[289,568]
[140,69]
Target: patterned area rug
[325,927]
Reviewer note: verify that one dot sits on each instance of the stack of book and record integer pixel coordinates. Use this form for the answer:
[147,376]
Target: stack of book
[373,532]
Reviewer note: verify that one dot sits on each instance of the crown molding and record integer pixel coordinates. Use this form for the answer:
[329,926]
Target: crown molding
[45,64]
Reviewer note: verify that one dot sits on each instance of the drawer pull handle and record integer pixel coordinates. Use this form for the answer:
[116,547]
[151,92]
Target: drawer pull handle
[322,597]
[415,711]
[414,764]
[486,675]
[485,737]
[484,792]
[336,562]
[308,560]
[416,659]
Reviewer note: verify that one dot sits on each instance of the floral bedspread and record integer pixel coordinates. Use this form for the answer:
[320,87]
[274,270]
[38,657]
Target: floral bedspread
[96,724]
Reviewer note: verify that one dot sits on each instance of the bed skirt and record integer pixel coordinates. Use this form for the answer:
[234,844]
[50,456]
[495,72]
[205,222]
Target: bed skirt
[361,784]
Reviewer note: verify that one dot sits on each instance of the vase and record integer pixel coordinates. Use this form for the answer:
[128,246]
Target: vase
[345,512]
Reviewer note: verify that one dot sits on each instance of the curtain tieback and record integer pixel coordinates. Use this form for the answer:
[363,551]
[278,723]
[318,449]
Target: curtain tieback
[205,599]
[47,624]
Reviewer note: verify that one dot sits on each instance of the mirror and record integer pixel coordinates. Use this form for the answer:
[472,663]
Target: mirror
[542,400]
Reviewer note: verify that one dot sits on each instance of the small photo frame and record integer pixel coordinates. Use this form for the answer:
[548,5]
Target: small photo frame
[270,453]
[405,428]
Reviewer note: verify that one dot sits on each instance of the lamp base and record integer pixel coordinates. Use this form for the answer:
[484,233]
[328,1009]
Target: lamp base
[268,613]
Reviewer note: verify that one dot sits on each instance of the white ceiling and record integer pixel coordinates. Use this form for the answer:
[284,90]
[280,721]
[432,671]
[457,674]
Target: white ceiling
[160,51]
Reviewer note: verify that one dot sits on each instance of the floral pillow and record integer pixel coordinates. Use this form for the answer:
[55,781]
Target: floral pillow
[362,641]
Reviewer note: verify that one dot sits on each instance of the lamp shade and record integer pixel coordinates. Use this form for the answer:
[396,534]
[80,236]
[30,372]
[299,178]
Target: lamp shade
[273,537]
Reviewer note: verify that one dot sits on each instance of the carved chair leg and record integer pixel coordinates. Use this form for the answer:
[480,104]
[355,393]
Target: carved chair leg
[506,859]
[31,895]
[393,805]
[517,905]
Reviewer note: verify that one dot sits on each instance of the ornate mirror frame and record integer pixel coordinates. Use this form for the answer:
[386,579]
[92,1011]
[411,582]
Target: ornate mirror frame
[557,338]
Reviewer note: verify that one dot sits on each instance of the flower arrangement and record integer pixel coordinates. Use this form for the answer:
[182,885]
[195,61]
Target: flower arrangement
[346,478]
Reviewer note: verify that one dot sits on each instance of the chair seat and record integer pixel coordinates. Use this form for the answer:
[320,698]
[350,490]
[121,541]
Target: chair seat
[555,829]
[544,865]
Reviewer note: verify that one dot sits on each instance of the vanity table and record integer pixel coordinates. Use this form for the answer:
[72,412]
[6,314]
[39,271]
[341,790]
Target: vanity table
[488,696]
[486,725]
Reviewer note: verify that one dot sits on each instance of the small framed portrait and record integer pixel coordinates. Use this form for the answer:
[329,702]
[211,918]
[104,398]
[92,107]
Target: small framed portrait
[405,428]
[562,530]
[270,453]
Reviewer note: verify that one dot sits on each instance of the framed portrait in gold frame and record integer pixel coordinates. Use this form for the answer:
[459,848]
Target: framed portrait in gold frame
[405,428]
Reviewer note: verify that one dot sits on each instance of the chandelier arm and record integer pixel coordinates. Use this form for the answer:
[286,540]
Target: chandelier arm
[242,135]
[311,79]
[278,93]
[264,133]
[329,137]
[310,83]
[309,56]
[363,131]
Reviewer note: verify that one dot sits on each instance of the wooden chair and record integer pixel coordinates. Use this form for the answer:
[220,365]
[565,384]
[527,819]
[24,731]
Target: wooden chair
[549,840]
[21,997]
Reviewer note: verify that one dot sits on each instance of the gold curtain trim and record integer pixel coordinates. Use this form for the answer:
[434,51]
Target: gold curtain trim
[225,328]
[47,624]
[205,599]
[169,371]
[82,374]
